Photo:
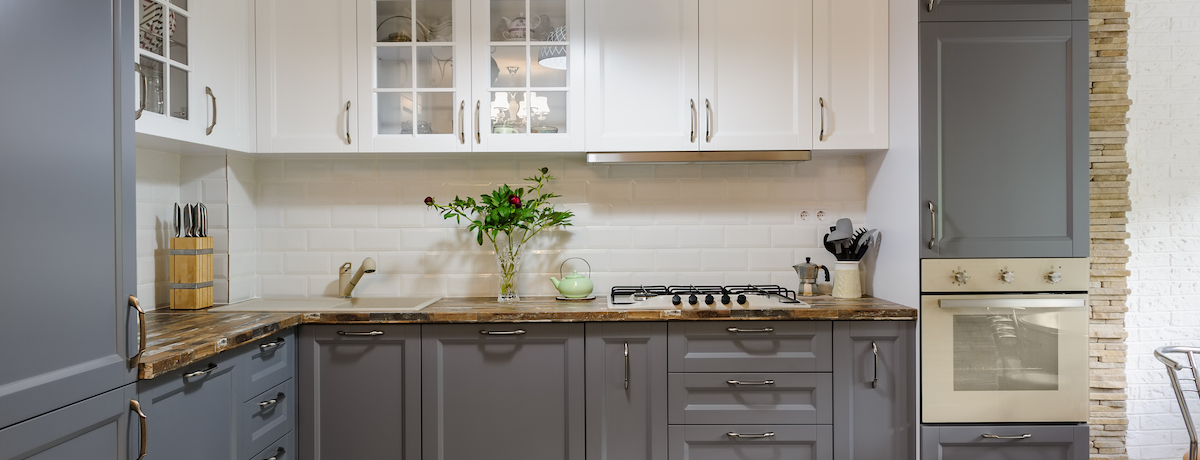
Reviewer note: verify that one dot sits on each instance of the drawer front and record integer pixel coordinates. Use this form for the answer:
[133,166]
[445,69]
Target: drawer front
[266,418]
[282,449]
[1029,442]
[774,442]
[271,362]
[750,346]
[719,398]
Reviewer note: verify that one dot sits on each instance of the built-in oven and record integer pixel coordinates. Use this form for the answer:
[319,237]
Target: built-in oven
[1004,340]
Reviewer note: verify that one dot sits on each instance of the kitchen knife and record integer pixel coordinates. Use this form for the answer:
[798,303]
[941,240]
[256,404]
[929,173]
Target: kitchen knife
[178,219]
[203,219]
[187,221]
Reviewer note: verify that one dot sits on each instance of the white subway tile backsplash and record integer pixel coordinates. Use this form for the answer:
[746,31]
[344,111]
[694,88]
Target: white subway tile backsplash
[794,236]
[407,216]
[268,171]
[307,263]
[793,190]
[307,216]
[677,214]
[330,193]
[282,193]
[355,216]
[702,191]
[725,171]
[241,217]
[746,236]
[631,260]
[676,260]
[724,214]
[382,239]
[677,171]
[243,265]
[614,191]
[726,260]
[630,172]
[266,216]
[335,239]
[213,191]
[354,170]
[769,259]
[196,167]
[242,288]
[631,214]
[284,286]
[701,236]
[221,266]
[401,262]
[399,170]
[307,170]
[655,237]
[609,237]
[497,170]
[748,191]
[771,170]
[748,278]
[281,239]
[380,193]
[843,190]
[588,214]
[434,239]
[771,213]
[655,191]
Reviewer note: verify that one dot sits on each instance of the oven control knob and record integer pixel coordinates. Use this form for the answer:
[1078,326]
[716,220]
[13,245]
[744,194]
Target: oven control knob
[961,276]
[1054,277]
[675,300]
[1007,276]
[741,299]
[725,299]
[692,300]
[708,300]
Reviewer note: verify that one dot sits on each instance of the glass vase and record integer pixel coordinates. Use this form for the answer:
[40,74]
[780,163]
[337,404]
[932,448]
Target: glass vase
[508,258]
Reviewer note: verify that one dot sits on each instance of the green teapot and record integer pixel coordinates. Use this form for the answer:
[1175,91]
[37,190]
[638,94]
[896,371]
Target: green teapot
[573,286]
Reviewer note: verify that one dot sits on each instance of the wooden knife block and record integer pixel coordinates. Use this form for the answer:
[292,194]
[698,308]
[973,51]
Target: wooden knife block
[191,279]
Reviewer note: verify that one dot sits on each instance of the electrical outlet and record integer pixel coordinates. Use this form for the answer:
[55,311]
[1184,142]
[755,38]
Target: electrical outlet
[814,215]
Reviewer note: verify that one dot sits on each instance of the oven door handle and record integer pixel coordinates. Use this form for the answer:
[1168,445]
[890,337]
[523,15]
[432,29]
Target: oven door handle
[1013,303]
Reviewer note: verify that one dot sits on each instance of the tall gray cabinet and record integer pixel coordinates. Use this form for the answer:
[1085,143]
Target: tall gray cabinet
[66,172]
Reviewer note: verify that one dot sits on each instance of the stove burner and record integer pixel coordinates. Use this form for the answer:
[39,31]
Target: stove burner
[694,292]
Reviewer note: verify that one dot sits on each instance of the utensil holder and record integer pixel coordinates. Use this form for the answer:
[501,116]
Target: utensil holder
[846,281]
[191,279]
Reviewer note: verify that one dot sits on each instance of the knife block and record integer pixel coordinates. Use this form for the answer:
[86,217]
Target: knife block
[191,279]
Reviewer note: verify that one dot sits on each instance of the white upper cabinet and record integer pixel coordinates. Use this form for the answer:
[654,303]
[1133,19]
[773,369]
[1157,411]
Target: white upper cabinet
[165,98]
[307,99]
[850,59]
[224,76]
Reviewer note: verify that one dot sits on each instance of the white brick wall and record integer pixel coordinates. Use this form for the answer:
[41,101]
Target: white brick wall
[1164,154]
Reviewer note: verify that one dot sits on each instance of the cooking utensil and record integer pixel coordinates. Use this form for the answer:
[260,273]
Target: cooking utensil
[187,221]
[202,229]
[196,220]
[178,219]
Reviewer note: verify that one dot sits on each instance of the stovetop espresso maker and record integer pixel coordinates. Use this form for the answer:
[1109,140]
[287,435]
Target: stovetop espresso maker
[808,273]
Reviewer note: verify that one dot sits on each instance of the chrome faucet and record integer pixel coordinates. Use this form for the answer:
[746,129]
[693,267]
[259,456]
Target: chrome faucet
[346,282]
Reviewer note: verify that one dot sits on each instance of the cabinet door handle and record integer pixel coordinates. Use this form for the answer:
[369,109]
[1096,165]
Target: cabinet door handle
[708,135]
[694,122]
[136,407]
[462,130]
[626,365]
[929,7]
[932,224]
[760,382]
[206,371]
[738,329]
[270,402]
[478,139]
[361,334]
[142,105]
[760,435]
[348,141]
[821,137]
[875,351]
[209,129]
[141,321]
[516,332]
[278,453]
[272,345]
[1019,436]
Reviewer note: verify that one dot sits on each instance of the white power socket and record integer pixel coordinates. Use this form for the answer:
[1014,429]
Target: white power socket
[815,215]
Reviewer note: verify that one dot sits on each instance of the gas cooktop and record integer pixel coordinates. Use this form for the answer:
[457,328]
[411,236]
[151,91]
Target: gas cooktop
[693,297]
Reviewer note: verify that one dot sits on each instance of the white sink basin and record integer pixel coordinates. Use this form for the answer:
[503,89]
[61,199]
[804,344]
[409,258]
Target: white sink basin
[367,304]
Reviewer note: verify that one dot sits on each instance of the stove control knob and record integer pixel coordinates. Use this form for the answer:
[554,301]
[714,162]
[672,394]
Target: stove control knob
[708,299]
[741,299]
[725,299]
[692,299]
[1054,277]
[1007,276]
[675,300]
[961,276]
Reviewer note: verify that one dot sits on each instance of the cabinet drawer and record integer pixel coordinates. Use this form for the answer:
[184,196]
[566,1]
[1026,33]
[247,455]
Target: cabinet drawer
[266,418]
[716,398]
[750,346]
[775,442]
[1029,442]
[270,362]
[282,449]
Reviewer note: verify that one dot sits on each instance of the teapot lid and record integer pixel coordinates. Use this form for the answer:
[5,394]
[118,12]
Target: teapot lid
[574,275]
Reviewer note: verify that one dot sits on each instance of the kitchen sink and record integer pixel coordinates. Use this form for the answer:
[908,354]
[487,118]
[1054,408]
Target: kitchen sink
[329,304]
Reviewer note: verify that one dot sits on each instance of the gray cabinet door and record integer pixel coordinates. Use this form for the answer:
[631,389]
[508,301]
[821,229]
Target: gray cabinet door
[1002,10]
[874,391]
[749,346]
[66,172]
[1004,139]
[193,413]
[968,442]
[626,391]
[360,388]
[96,428]
[503,391]
[758,442]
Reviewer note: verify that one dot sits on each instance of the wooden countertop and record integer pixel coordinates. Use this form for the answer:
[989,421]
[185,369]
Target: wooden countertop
[177,338]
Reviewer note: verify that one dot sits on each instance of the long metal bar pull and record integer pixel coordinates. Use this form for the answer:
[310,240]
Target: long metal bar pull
[205,371]
[932,224]
[1019,436]
[626,365]
[142,104]
[743,382]
[361,334]
[478,138]
[136,407]
[462,130]
[821,137]
[738,329]
[694,122]
[141,320]
[875,351]
[348,141]
[271,345]
[708,135]
[930,6]
[278,453]
[208,130]
[740,435]
[516,332]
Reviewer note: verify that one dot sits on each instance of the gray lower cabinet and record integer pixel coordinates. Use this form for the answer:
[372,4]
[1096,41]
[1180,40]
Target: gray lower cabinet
[749,346]
[503,391]
[874,389]
[627,391]
[1004,139]
[753,398]
[758,442]
[192,413]
[95,428]
[1004,442]
[361,392]
[1002,10]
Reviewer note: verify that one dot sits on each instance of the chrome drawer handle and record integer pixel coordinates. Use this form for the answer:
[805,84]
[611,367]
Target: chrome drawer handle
[626,365]
[211,367]
[760,382]
[516,332]
[366,334]
[278,453]
[737,329]
[268,346]
[739,435]
[270,402]
[1020,436]
[875,351]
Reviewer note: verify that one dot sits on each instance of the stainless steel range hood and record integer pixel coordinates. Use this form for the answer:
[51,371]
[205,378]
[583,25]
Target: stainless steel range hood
[685,157]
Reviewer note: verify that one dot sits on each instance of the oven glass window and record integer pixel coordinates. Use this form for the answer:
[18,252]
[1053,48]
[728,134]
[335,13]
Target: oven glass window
[1006,351]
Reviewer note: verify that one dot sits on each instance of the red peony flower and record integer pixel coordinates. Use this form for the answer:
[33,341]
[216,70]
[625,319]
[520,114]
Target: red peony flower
[515,200]
[428,201]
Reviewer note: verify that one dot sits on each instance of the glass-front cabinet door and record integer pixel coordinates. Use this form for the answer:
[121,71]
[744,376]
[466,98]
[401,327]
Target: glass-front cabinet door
[163,67]
[414,75]
[527,75]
